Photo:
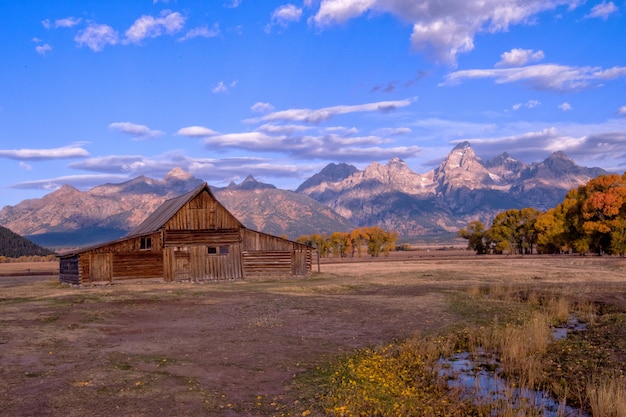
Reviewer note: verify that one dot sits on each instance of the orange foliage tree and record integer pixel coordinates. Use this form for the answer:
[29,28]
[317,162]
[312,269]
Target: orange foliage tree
[341,244]
[591,217]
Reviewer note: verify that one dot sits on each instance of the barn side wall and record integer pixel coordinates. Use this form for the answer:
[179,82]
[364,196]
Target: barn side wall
[119,260]
[68,270]
[270,256]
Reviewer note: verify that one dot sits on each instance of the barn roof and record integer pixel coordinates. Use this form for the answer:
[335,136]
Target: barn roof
[169,208]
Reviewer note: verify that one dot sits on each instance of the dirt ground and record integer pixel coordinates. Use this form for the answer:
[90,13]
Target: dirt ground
[235,349]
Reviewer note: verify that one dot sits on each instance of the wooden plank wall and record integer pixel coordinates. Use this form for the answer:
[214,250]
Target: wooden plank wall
[100,266]
[202,213]
[123,259]
[132,265]
[68,270]
[253,241]
[259,264]
[301,262]
[196,237]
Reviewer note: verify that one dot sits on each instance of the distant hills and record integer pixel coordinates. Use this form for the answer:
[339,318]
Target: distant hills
[13,245]
[340,197]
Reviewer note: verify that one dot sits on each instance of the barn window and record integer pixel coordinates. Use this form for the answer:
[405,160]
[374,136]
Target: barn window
[217,250]
[145,243]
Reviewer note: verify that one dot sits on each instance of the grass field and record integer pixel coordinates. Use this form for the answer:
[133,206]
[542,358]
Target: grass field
[256,348]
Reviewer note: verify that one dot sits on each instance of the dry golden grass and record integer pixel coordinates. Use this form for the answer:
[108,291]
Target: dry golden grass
[51,267]
[608,397]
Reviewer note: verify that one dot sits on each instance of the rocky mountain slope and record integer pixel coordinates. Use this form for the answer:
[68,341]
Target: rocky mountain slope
[68,217]
[462,188]
[437,203]
[279,212]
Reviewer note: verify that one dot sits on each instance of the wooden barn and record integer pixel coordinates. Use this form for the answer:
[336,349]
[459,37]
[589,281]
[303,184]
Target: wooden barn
[189,238]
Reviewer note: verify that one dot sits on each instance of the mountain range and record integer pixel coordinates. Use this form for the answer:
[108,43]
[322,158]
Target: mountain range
[340,197]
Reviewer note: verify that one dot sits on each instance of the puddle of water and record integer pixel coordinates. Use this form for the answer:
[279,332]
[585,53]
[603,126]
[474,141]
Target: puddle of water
[480,381]
[573,325]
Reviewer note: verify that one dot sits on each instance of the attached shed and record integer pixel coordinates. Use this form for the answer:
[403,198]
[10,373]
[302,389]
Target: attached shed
[189,238]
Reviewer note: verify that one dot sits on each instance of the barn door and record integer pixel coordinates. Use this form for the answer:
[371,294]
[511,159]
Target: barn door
[299,261]
[182,264]
[100,268]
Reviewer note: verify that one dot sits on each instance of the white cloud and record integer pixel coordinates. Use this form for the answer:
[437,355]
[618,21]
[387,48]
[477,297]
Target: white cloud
[43,49]
[602,10]
[530,104]
[323,114]
[25,166]
[196,131]
[133,164]
[393,131]
[542,76]
[325,146]
[80,181]
[151,27]
[96,37]
[65,152]
[138,132]
[282,129]
[517,57]
[67,22]
[233,4]
[221,87]
[202,32]
[261,107]
[565,106]
[219,170]
[247,140]
[442,29]
[622,111]
[284,15]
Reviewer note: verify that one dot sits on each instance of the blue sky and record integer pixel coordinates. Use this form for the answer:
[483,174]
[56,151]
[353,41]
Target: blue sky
[94,92]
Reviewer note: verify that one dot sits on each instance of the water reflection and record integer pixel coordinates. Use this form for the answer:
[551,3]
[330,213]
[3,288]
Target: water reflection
[476,377]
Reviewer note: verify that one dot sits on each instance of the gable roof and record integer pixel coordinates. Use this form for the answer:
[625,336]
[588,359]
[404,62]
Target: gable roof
[169,208]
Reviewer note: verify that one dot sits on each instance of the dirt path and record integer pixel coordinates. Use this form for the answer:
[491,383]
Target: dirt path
[226,349]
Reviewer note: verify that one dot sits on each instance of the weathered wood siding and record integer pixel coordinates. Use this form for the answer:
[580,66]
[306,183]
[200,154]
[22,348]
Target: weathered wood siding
[202,213]
[257,241]
[194,263]
[257,264]
[68,270]
[131,265]
[267,255]
[100,266]
[196,237]
[123,259]
[301,262]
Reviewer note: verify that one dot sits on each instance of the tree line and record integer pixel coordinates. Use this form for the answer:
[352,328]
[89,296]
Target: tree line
[13,245]
[591,218]
[372,240]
